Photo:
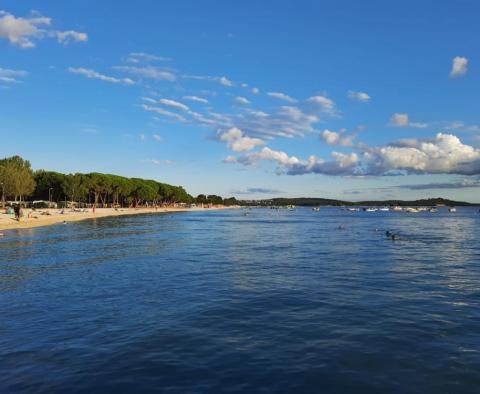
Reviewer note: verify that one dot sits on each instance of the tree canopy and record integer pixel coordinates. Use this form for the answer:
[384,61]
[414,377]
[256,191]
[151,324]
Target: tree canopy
[16,177]
[95,188]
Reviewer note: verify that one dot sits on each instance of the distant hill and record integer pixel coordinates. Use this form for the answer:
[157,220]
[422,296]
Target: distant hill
[307,201]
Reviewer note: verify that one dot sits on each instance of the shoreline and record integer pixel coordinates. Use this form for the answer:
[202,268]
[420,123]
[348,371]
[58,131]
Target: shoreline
[47,217]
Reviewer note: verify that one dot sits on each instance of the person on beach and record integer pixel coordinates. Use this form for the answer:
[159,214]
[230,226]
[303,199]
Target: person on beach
[16,210]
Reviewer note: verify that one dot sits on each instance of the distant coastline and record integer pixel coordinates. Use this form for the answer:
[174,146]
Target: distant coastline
[310,202]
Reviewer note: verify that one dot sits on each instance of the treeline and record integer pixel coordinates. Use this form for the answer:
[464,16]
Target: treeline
[20,182]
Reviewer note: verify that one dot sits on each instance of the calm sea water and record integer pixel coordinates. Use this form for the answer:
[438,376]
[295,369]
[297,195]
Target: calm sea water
[275,301]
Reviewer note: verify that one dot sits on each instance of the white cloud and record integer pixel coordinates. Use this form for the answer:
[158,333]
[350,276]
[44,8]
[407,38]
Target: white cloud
[444,154]
[322,103]
[157,162]
[459,66]
[66,37]
[196,99]
[241,100]
[148,72]
[230,159]
[358,96]
[281,96]
[163,112]
[334,138]
[399,120]
[92,74]
[255,90]
[402,120]
[330,137]
[138,57]
[174,104]
[237,141]
[23,32]
[142,137]
[149,100]
[11,76]
[224,81]
[462,126]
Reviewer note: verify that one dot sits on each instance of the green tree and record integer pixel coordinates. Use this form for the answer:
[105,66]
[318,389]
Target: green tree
[17,177]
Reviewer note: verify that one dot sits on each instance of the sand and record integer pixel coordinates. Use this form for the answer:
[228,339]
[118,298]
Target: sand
[45,217]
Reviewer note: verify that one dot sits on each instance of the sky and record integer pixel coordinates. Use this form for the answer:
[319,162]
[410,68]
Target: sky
[350,100]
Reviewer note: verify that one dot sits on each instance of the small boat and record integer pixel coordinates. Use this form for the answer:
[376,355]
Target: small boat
[411,210]
[384,209]
[316,209]
[432,210]
[397,208]
[452,209]
[354,209]
[370,209]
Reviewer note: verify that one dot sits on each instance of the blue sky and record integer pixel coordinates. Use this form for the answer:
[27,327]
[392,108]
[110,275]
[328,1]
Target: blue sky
[346,99]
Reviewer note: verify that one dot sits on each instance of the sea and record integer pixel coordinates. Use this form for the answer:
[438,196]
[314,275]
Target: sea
[243,301]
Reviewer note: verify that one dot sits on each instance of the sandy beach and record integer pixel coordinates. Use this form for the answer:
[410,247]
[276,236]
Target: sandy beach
[45,217]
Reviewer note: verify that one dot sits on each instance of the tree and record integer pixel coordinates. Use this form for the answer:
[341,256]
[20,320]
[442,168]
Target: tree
[201,199]
[17,177]
[230,201]
[73,186]
[48,185]
[213,199]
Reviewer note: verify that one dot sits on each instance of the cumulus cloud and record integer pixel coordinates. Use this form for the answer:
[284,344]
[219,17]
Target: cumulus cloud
[11,76]
[334,138]
[66,37]
[399,120]
[237,141]
[225,81]
[242,100]
[174,104]
[358,96]
[445,154]
[24,31]
[148,72]
[255,90]
[92,74]
[342,164]
[459,66]
[402,120]
[281,96]
[322,103]
[156,137]
[196,99]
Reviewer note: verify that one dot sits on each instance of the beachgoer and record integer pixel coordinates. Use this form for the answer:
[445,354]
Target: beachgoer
[16,210]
